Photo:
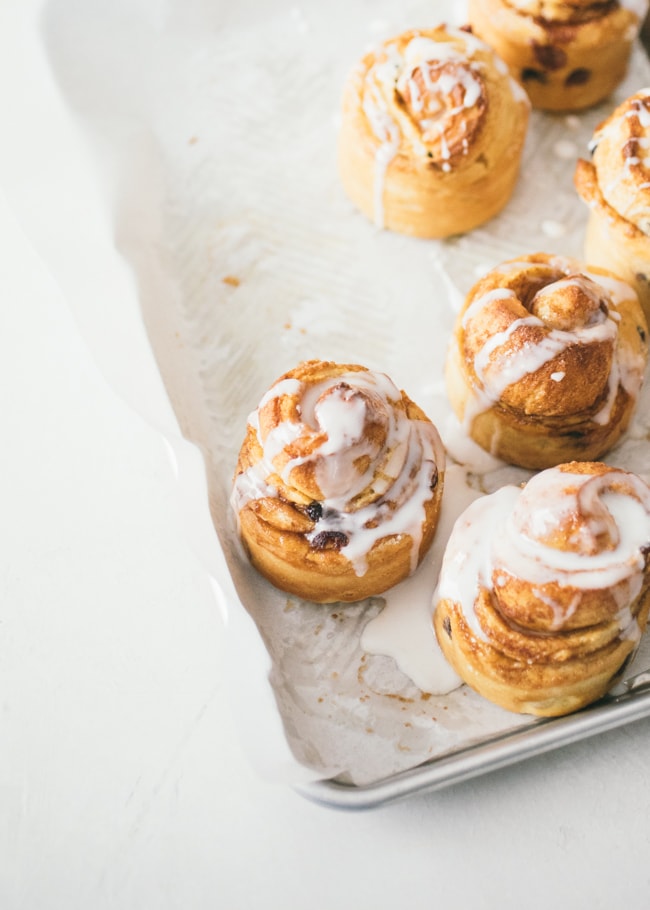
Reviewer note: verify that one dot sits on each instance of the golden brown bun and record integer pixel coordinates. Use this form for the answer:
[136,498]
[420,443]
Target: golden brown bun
[568,56]
[432,133]
[338,484]
[615,184]
[544,593]
[546,361]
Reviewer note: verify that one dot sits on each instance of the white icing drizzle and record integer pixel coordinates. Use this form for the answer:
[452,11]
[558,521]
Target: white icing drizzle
[639,110]
[495,374]
[398,70]
[467,565]
[559,611]
[334,408]
[519,93]
[251,484]
[506,530]
[421,50]
[404,628]
[471,43]
[627,190]
[496,294]
[284,387]
[388,133]
[461,447]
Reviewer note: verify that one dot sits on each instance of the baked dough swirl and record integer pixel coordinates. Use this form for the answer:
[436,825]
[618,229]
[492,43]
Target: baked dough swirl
[615,184]
[568,56]
[544,592]
[432,132]
[338,484]
[546,361]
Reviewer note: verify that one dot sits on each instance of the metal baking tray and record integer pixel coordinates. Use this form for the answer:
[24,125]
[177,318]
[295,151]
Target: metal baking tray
[628,702]
[228,211]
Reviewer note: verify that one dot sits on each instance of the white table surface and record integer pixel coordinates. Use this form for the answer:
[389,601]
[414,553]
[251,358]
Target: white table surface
[122,781]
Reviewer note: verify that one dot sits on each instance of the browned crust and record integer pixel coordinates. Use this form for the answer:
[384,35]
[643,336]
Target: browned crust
[529,657]
[428,193]
[568,56]
[537,422]
[274,528]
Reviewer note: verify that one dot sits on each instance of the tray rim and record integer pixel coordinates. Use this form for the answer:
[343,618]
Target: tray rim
[487,755]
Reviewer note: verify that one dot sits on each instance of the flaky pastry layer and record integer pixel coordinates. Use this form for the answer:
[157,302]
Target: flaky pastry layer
[544,593]
[615,184]
[546,361]
[338,484]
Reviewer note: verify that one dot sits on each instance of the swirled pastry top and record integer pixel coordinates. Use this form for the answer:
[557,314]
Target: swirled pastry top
[547,336]
[344,455]
[621,158]
[432,91]
[568,551]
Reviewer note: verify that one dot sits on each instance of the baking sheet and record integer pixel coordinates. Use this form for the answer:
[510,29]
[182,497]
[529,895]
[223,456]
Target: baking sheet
[210,129]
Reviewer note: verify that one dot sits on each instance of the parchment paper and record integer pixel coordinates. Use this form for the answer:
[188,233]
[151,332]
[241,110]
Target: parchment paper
[212,128]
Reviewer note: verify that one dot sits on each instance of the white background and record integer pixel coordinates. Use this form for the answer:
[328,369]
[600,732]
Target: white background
[123,783]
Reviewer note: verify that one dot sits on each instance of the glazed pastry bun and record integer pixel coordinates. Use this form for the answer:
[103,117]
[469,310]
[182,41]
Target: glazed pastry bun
[431,134]
[546,361]
[615,184]
[568,56]
[338,484]
[544,592]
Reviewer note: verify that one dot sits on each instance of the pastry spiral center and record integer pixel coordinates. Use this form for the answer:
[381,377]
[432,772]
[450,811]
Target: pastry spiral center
[540,323]
[594,523]
[573,532]
[567,517]
[570,303]
[446,101]
[351,427]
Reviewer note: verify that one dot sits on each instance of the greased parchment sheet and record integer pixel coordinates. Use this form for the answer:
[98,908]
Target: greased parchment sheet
[213,129]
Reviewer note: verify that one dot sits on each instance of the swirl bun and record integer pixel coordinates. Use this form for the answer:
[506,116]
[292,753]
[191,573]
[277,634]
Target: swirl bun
[544,592]
[546,361]
[338,484]
[568,56]
[432,133]
[615,184]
